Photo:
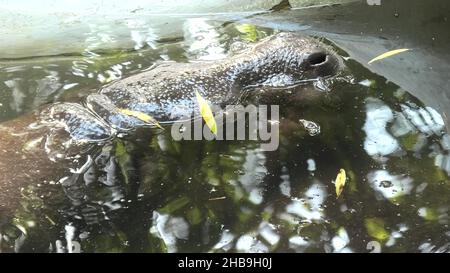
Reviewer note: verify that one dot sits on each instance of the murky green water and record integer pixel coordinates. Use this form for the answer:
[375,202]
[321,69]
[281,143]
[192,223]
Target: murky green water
[149,193]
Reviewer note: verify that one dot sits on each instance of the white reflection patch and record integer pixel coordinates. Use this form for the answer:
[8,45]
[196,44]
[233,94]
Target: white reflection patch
[248,244]
[285,185]
[378,141]
[225,241]
[202,40]
[169,229]
[298,243]
[340,241]
[310,208]
[269,233]
[398,185]
[253,175]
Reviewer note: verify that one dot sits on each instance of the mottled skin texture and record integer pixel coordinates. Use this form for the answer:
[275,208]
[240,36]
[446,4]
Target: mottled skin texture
[166,92]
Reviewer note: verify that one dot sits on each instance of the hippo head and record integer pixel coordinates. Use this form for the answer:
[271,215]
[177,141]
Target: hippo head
[291,58]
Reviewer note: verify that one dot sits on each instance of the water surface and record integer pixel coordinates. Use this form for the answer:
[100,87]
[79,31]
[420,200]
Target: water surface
[148,193]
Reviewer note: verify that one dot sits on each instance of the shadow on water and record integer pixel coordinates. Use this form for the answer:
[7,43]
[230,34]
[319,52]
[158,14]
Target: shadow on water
[148,193]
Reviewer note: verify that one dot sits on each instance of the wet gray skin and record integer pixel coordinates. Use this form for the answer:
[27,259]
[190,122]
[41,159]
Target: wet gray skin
[167,92]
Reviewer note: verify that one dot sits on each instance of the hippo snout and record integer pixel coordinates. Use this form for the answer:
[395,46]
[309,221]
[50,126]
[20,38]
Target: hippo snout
[317,58]
[323,63]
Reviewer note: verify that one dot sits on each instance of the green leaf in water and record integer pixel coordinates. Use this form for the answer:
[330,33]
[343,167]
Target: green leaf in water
[375,228]
[249,32]
[408,141]
[123,159]
[194,216]
[175,205]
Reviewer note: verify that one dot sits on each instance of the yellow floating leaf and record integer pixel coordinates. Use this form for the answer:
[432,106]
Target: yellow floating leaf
[206,113]
[142,116]
[388,54]
[340,182]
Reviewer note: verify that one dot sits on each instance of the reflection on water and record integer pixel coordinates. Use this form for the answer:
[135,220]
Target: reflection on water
[378,141]
[148,193]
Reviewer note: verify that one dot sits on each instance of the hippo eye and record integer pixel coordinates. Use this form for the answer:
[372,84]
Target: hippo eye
[317,58]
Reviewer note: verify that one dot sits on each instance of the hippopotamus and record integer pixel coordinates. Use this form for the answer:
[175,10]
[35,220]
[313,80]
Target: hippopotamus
[35,146]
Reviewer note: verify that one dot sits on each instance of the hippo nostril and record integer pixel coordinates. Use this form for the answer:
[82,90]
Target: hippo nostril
[317,58]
